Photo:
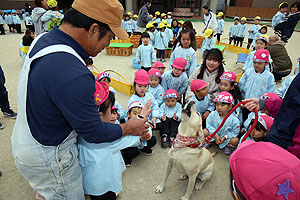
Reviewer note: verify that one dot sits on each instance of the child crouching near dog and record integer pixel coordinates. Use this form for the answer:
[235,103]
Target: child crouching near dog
[102,164]
[155,88]
[227,135]
[134,110]
[170,115]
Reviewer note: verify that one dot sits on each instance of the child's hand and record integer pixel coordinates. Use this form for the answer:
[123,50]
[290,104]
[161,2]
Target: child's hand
[164,117]
[205,115]
[218,140]
[146,137]
[154,122]
[175,117]
[222,140]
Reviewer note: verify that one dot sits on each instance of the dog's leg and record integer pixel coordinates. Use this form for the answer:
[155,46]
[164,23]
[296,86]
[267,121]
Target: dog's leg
[160,188]
[189,190]
[203,178]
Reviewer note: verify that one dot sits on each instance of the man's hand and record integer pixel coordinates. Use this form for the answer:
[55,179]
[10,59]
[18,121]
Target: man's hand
[252,104]
[135,126]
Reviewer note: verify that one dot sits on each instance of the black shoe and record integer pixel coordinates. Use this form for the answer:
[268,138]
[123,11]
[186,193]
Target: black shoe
[128,163]
[10,114]
[1,126]
[164,142]
[146,151]
[0,174]
[171,141]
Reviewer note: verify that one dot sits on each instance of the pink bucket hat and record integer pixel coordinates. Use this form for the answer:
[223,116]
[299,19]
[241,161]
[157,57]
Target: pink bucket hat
[135,104]
[179,63]
[263,170]
[154,72]
[229,76]
[103,75]
[171,93]
[265,120]
[198,84]
[224,97]
[101,93]
[114,108]
[261,55]
[141,77]
[158,64]
[270,95]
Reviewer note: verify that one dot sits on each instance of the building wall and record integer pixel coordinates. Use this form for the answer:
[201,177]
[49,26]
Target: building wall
[16,4]
[270,3]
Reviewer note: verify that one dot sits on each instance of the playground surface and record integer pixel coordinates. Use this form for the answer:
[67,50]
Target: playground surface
[140,180]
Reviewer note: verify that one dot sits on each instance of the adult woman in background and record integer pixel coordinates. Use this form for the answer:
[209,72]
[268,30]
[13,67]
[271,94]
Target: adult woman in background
[210,20]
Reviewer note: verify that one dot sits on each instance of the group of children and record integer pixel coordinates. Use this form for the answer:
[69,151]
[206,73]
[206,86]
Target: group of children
[12,19]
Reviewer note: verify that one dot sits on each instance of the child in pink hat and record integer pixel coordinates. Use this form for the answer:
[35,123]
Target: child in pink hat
[203,104]
[155,88]
[262,170]
[175,78]
[170,115]
[261,129]
[141,84]
[160,66]
[227,135]
[228,84]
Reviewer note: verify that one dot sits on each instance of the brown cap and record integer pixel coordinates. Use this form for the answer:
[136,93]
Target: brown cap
[109,12]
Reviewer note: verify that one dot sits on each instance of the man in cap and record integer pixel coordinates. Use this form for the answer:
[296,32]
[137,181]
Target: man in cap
[56,100]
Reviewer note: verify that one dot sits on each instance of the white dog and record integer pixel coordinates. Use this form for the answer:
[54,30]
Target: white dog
[192,162]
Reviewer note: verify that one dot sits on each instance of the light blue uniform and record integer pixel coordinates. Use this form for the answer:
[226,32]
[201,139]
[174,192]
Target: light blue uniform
[285,86]
[248,120]
[158,93]
[221,26]
[170,34]
[178,33]
[16,19]
[152,39]
[248,138]
[278,18]
[249,62]
[127,25]
[254,85]
[231,127]
[158,20]
[102,164]
[8,19]
[169,112]
[233,30]
[202,105]
[169,21]
[297,71]
[177,83]
[255,29]
[242,30]
[122,113]
[154,105]
[134,26]
[208,44]
[146,55]
[161,40]
[28,20]
[189,55]
[1,20]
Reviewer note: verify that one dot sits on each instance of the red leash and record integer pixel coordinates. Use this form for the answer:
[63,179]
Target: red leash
[207,140]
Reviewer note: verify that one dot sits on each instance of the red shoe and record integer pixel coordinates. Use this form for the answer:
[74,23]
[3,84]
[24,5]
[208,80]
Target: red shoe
[38,196]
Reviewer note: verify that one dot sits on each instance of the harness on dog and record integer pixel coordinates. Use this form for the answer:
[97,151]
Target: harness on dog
[207,140]
[184,141]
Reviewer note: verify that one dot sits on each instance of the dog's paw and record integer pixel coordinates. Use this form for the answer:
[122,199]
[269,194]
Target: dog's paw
[159,189]
[184,198]
[199,185]
[183,176]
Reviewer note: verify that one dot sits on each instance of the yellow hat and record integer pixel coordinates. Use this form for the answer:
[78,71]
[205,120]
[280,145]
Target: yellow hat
[163,14]
[52,3]
[157,13]
[164,22]
[283,3]
[181,22]
[161,25]
[263,26]
[154,22]
[169,13]
[135,16]
[149,25]
[244,19]
[129,13]
[257,18]
[220,14]
[113,10]
[208,32]
[169,25]
[263,37]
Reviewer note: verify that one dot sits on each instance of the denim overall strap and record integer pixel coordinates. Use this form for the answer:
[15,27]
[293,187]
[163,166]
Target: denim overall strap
[53,171]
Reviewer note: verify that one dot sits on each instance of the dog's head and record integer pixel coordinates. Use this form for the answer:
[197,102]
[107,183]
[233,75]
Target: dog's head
[191,124]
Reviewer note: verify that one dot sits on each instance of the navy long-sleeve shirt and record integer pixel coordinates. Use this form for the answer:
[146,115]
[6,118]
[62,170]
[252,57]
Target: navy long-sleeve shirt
[61,96]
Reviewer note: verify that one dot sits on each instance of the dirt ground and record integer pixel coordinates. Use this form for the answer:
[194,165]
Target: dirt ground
[140,180]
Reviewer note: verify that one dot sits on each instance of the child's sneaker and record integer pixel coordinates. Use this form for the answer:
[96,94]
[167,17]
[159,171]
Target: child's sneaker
[146,151]
[163,60]
[207,145]
[164,142]
[1,126]
[10,114]
[171,141]
[228,149]
[128,164]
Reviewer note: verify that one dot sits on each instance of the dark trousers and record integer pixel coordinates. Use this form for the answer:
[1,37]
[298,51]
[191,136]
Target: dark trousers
[2,29]
[285,29]
[245,113]
[249,43]
[4,104]
[278,75]
[107,196]
[234,39]
[169,128]
[18,28]
[11,27]
[129,34]
[240,41]
[219,36]
[146,68]
[132,152]
[30,27]
[161,54]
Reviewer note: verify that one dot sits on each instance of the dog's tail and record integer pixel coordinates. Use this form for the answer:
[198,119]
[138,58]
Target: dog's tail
[214,153]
